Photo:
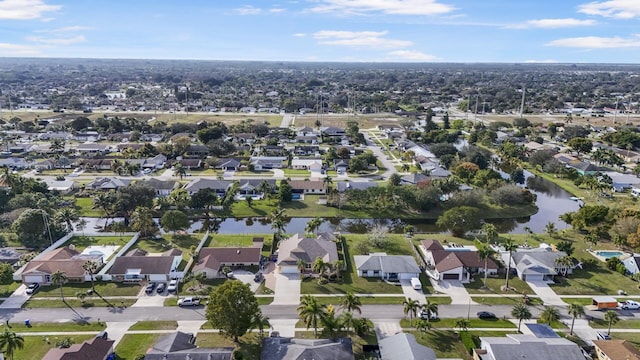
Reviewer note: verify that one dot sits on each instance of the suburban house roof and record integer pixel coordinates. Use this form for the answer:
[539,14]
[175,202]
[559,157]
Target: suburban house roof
[306,249]
[158,184]
[62,259]
[617,349]
[212,258]
[414,178]
[107,183]
[180,346]
[96,348]
[203,183]
[537,262]
[146,264]
[347,185]
[404,346]
[515,346]
[431,245]
[386,263]
[306,184]
[446,260]
[302,349]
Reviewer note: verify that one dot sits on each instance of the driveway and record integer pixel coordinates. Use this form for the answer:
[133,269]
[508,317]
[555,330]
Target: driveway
[546,294]
[287,120]
[17,299]
[582,329]
[411,293]
[455,289]
[287,289]
[246,277]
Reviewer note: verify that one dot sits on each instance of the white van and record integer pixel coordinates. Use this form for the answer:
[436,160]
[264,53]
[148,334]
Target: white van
[415,282]
[635,191]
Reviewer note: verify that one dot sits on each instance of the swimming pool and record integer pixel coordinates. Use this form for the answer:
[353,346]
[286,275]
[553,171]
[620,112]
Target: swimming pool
[609,254]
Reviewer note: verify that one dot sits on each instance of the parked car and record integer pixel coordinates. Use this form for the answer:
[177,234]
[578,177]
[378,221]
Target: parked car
[32,288]
[231,275]
[630,305]
[150,287]
[161,287]
[258,277]
[603,336]
[173,286]
[189,301]
[423,315]
[486,315]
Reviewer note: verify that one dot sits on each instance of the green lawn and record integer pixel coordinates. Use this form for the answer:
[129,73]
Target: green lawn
[632,337]
[596,280]
[81,242]
[445,343]
[134,344]
[168,241]
[235,240]
[248,347]
[446,323]
[57,327]
[622,324]
[504,300]
[102,288]
[581,301]
[265,300]
[494,284]
[7,289]
[35,347]
[296,173]
[84,205]
[155,325]
[75,303]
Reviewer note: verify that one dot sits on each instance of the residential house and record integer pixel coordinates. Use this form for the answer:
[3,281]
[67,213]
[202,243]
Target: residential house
[151,137]
[189,164]
[272,150]
[92,149]
[62,259]
[152,268]
[280,348]
[268,162]
[314,165]
[230,164]
[439,173]
[453,262]
[47,164]
[220,186]
[341,165]
[212,260]
[245,138]
[63,186]
[516,346]
[615,350]
[621,182]
[95,349]
[404,346]
[161,187]
[537,264]
[332,134]
[197,151]
[95,164]
[343,186]
[387,267]
[308,186]
[108,183]
[20,148]
[15,163]
[132,146]
[413,179]
[309,139]
[299,250]
[253,187]
[62,135]
[91,136]
[306,131]
[181,346]
[632,264]
[10,255]
[306,150]
[156,162]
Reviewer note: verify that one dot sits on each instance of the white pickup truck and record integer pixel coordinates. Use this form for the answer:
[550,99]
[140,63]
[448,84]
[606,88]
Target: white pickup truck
[189,301]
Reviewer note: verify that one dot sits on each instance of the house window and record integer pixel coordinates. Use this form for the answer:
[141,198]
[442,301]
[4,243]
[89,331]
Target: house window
[376,273]
[47,278]
[307,266]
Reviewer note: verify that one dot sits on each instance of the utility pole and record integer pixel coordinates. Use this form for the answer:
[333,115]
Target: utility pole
[475,111]
[629,110]
[615,113]
[524,90]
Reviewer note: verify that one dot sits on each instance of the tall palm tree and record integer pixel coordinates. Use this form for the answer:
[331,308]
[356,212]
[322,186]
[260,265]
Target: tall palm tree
[313,225]
[521,312]
[104,201]
[142,221]
[575,310]
[179,170]
[327,181]
[91,267]
[67,215]
[411,308]
[117,166]
[490,232]
[261,322]
[319,266]
[611,317]
[351,303]
[462,324]
[423,326]
[510,246]
[430,308]
[10,342]
[550,314]
[311,312]
[278,221]
[331,325]
[485,252]
[59,278]
[347,320]
[550,229]
[301,264]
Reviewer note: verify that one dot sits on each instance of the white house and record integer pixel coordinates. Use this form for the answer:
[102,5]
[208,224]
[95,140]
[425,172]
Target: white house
[388,267]
[537,264]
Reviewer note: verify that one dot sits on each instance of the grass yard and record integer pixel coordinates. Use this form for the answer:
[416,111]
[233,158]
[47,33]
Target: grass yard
[249,346]
[84,206]
[447,323]
[155,325]
[102,288]
[35,347]
[57,327]
[7,289]
[134,344]
[596,281]
[581,301]
[236,240]
[447,344]
[504,300]
[82,242]
[622,324]
[632,337]
[494,284]
[75,303]
[296,173]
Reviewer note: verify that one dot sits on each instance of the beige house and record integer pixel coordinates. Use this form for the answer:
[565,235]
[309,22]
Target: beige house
[303,250]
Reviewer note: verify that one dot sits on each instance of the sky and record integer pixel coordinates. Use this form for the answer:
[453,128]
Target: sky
[535,31]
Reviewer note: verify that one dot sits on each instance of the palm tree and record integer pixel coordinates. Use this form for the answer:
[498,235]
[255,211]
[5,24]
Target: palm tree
[67,215]
[405,167]
[179,170]
[59,278]
[261,322]
[347,320]
[104,201]
[331,325]
[311,312]
[521,312]
[423,326]
[462,324]
[564,264]
[142,221]
[575,310]
[313,225]
[277,219]
[484,253]
[490,232]
[510,246]
[117,166]
[327,181]
[82,296]
[319,266]
[611,317]
[430,308]
[411,308]
[10,342]
[362,326]
[351,303]
[550,229]
[91,267]
[301,265]
[550,314]
[81,225]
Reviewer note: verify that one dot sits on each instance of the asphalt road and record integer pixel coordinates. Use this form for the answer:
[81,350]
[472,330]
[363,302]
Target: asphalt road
[373,312]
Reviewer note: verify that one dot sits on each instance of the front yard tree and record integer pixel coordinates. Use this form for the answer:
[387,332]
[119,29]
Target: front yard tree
[91,267]
[232,309]
[575,310]
[510,246]
[313,225]
[59,278]
[459,220]
[142,221]
[490,232]
[521,312]
[550,314]
[410,308]
[10,342]
[174,220]
[485,252]
[261,322]
[67,216]
[311,312]
[580,145]
[278,221]
[351,303]
[430,308]
[611,317]
[31,228]
[285,192]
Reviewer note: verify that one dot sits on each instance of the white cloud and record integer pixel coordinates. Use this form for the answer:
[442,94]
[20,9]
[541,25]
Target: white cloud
[25,9]
[16,50]
[57,41]
[596,42]
[549,61]
[411,55]
[65,29]
[359,38]
[248,10]
[277,10]
[553,23]
[394,7]
[619,9]
[299,34]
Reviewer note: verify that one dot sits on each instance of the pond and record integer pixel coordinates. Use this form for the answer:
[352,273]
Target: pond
[552,201]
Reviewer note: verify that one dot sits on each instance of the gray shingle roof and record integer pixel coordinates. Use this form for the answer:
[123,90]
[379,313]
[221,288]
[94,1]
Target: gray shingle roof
[531,348]
[306,249]
[386,263]
[404,346]
[307,349]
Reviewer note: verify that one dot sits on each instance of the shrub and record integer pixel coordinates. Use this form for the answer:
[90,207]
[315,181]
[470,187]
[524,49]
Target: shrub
[468,341]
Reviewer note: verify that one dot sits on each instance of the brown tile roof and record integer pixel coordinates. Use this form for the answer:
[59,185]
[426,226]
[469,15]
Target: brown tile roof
[450,259]
[618,349]
[62,259]
[212,258]
[146,264]
[432,245]
[95,348]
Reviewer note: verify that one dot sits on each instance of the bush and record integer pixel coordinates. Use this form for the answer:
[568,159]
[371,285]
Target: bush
[468,341]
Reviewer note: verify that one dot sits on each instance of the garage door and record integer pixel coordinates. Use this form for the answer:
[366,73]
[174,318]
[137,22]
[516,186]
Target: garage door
[32,278]
[451,276]
[289,269]
[534,278]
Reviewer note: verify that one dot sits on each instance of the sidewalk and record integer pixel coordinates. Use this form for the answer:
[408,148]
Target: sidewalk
[455,289]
